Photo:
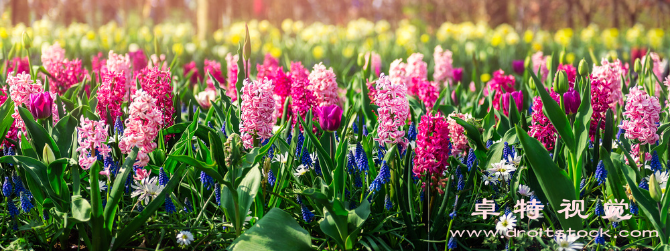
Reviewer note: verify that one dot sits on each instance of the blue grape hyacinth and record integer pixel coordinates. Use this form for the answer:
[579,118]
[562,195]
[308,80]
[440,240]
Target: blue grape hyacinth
[382,178]
[601,173]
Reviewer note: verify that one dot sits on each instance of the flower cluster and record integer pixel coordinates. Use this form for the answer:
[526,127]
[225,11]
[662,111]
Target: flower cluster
[499,84]
[605,91]
[156,83]
[541,128]
[459,140]
[111,94]
[302,99]
[432,146]
[257,108]
[233,69]
[642,116]
[214,68]
[91,137]
[428,92]
[393,111]
[20,89]
[443,65]
[142,126]
[323,84]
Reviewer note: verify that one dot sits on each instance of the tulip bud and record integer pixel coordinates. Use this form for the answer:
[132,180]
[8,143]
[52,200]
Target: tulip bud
[27,41]
[583,69]
[329,117]
[549,62]
[561,84]
[572,101]
[654,189]
[638,65]
[247,45]
[531,83]
[40,105]
[48,155]
[518,66]
[648,63]
[361,59]
[458,74]
[561,57]
[527,63]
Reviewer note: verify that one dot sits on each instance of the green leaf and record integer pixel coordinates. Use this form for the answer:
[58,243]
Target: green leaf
[557,117]
[555,183]
[39,135]
[583,122]
[644,201]
[117,190]
[277,230]
[97,221]
[63,134]
[246,192]
[81,209]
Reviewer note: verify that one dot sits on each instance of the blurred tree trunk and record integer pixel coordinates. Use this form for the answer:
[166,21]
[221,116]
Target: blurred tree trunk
[497,12]
[20,12]
[202,18]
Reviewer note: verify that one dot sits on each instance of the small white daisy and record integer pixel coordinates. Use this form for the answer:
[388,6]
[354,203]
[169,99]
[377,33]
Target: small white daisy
[514,158]
[490,179]
[301,170]
[525,190]
[505,223]
[568,243]
[147,189]
[184,238]
[281,157]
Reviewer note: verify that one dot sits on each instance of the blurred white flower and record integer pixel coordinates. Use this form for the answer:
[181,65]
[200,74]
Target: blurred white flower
[184,238]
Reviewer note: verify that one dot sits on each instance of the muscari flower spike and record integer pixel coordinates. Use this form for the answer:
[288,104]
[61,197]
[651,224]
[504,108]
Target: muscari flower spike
[306,159]
[317,167]
[169,205]
[118,126]
[471,159]
[452,243]
[633,209]
[163,179]
[387,203]
[26,206]
[217,193]
[355,125]
[644,184]
[655,162]
[489,143]
[271,178]
[307,215]
[7,188]
[207,181]
[361,159]
[382,178]
[12,209]
[188,207]
[351,163]
[358,182]
[582,184]
[599,209]
[223,130]
[298,199]
[461,182]
[411,132]
[298,146]
[601,173]
[599,239]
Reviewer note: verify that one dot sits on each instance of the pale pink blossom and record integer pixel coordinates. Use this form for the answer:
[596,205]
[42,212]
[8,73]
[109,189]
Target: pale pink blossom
[52,56]
[142,126]
[20,88]
[257,109]
[233,71]
[206,97]
[393,111]
[323,84]
[398,74]
[605,92]
[641,117]
[91,136]
[540,63]
[118,63]
[141,174]
[459,141]
[443,65]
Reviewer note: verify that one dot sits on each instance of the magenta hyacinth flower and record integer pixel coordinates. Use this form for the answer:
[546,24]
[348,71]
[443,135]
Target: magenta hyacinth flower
[572,101]
[518,66]
[330,117]
[40,105]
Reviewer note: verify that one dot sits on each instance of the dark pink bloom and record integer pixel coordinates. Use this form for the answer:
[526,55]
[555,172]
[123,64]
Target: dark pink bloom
[157,84]
[518,66]
[517,96]
[432,148]
[214,68]
[18,65]
[192,68]
[541,128]
[572,101]
[330,117]
[111,94]
[570,71]
[428,92]
[496,86]
[40,105]
[458,74]
[138,59]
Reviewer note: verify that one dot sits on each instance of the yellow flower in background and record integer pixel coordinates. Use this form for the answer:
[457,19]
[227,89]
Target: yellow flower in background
[610,38]
[382,26]
[158,31]
[570,58]
[512,38]
[90,35]
[264,25]
[275,52]
[318,52]
[178,49]
[537,46]
[348,51]
[425,38]
[528,36]
[3,33]
[286,25]
[485,77]
[634,33]
[589,33]
[564,36]
[496,40]
[298,26]
[655,37]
